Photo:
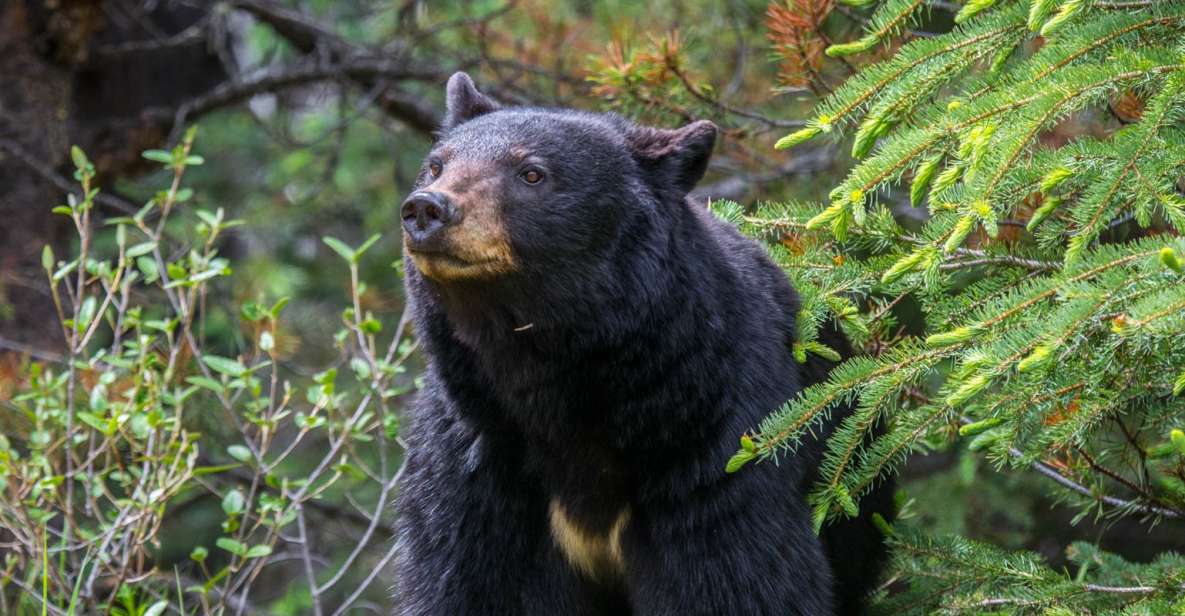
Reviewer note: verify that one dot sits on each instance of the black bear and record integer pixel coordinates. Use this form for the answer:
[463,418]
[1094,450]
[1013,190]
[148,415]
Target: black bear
[596,344]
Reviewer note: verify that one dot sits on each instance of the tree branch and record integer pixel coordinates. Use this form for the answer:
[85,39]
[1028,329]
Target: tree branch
[1074,486]
[307,36]
[273,80]
[737,186]
[110,200]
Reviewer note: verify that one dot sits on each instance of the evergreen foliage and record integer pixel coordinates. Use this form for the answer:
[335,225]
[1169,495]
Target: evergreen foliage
[1048,270]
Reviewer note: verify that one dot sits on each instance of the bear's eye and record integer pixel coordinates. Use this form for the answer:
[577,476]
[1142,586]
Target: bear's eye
[532,176]
[434,168]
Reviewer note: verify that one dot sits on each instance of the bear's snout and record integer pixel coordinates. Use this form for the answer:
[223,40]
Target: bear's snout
[425,214]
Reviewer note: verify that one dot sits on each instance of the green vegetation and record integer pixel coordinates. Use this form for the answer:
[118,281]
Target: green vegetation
[116,453]
[1046,142]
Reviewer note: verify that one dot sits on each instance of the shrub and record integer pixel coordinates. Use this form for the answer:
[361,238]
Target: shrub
[145,421]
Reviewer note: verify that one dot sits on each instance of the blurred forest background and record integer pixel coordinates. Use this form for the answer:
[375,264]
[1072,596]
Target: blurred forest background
[313,118]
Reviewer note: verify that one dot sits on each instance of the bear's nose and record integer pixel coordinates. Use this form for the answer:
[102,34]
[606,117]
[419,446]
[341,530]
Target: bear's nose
[425,214]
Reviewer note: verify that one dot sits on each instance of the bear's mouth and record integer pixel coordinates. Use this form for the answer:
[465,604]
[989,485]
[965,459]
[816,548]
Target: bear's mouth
[444,266]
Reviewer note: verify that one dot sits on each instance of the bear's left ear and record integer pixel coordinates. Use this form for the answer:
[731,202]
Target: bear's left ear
[463,102]
[675,157]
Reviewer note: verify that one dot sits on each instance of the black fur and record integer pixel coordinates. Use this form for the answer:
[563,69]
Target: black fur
[637,339]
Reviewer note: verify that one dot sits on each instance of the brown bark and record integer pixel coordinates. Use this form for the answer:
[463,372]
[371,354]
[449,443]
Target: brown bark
[78,72]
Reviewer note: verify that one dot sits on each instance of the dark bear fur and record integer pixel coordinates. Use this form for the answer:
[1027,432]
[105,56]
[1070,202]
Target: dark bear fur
[603,368]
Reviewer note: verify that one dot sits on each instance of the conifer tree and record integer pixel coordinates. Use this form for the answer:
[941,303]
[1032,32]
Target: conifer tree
[1049,271]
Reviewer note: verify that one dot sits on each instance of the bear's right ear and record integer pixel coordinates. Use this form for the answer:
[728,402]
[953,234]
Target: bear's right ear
[674,158]
[463,102]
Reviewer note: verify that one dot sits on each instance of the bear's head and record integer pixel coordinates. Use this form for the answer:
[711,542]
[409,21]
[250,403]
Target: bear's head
[535,194]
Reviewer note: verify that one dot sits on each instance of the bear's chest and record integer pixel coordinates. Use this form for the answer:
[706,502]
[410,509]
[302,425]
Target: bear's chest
[592,545]
[588,507]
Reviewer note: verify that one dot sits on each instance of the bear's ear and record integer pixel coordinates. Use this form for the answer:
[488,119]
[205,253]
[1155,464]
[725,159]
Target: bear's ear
[675,157]
[463,102]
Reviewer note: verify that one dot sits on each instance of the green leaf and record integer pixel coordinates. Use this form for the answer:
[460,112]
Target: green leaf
[339,247]
[240,453]
[821,350]
[233,502]
[961,230]
[738,460]
[985,440]
[844,498]
[1168,258]
[819,516]
[47,259]
[87,313]
[1177,438]
[202,471]
[922,178]
[971,8]
[159,156]
[1054,178]
[207,383]
[259,551]
[955,336]
[230,545]
[209,218]
[967,389]
[979,427]
[252,311]
[366,245]
[797,137]
[854,47]
[1038,358]
[224,365]
[903,266]
[1068,10]
[78,157]
[1039,11]
[141,249]
[1047,207]
[882,524]
[361,368]
[147,267]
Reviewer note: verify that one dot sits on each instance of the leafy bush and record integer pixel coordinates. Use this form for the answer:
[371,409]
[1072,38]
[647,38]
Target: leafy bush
[1046,142]
[144,420]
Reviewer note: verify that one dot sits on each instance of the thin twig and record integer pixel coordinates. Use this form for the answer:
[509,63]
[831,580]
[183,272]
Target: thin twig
[47,172]
[723,106]
[24,349]
[314,590]
[983,258]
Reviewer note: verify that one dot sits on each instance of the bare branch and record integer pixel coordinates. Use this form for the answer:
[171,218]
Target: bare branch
[24,349]
[307,35]
[272,80]
[110,200]
[737,187]
[983,258]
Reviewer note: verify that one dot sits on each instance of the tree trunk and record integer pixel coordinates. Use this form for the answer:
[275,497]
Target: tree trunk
[79,72]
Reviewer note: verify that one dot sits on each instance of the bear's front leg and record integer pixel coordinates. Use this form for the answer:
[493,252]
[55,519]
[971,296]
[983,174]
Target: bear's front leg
[740,546]
[472,531]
